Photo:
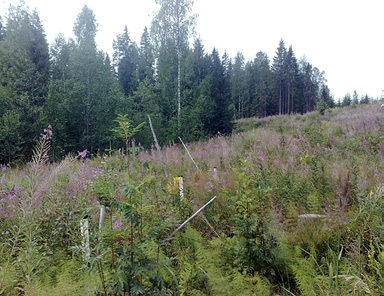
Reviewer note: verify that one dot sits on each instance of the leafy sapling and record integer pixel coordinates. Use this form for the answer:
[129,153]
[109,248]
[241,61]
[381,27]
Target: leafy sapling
[126,130]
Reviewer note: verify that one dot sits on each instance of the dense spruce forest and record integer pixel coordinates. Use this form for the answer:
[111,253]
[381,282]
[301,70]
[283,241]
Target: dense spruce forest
[79,90]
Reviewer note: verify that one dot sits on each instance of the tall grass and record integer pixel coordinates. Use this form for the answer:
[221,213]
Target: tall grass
[249,239]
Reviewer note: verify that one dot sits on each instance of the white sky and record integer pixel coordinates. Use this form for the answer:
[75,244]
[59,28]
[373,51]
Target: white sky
[344,38]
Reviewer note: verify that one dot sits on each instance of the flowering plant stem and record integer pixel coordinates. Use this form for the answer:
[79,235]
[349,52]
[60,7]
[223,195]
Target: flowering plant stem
[10,256]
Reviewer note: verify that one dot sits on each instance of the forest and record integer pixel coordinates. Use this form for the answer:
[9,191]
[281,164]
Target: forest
[79,90]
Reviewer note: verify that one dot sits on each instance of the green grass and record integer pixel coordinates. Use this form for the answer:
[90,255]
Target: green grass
[249,241]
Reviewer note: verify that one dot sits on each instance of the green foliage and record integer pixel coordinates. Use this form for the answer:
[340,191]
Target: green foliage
[125,130]
[248,249]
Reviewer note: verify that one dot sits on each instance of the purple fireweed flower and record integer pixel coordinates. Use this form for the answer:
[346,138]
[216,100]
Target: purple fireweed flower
[361,148]
[83,154]
[5,232]
[47,134]
[327,149]
[377,175]
[4,169]
[275,163]
[365,141]
[381,153]
[117,224]
[209,185]
[335,165]
[4,181]
[6,215]
[299,130]
[224,182]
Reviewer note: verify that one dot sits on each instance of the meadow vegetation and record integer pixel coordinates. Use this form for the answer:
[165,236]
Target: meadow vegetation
[252,240]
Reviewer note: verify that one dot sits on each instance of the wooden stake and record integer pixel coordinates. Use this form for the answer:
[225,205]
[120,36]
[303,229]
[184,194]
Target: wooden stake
[189,153]
[157,146]
[190,218]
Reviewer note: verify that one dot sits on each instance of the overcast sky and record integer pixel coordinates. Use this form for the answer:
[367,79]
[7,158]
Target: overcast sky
[344,38]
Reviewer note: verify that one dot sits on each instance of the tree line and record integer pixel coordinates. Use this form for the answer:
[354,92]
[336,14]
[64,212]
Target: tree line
[79,90]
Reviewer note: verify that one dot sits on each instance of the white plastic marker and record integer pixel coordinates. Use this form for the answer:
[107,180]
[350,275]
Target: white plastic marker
[84,229]
[181,188]
[102,214]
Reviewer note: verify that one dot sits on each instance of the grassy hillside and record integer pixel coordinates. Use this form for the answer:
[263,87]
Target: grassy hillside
[255,238]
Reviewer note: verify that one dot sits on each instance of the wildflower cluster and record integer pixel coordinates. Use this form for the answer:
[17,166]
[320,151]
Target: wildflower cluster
[47,135]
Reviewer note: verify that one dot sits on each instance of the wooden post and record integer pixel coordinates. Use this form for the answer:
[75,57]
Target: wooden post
[189,153]
[157,146]
[190,218]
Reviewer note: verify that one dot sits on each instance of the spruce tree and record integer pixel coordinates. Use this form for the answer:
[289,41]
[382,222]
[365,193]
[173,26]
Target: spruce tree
[238,84]
[125,60]
[278,69]
[146,58]
[24,76]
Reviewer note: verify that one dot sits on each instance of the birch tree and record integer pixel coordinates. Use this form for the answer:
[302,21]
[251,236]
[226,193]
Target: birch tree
[175,23]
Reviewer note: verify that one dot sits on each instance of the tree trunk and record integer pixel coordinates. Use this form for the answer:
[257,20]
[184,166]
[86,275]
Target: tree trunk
[178,92]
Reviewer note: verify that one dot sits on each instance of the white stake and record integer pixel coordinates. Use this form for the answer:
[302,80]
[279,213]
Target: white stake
[181,188]
[102,213]
[84,229]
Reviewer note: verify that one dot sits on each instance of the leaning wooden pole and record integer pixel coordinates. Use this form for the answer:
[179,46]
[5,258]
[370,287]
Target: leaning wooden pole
[189,153]
[157,146]
[190,218]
